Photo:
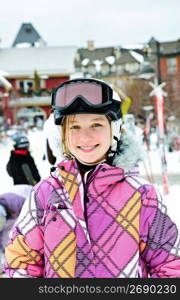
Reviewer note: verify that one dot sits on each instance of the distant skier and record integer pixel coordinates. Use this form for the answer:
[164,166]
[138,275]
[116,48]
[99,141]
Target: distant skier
[21,166]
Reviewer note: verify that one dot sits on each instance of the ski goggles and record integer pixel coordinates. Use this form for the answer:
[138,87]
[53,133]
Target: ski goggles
[94,92]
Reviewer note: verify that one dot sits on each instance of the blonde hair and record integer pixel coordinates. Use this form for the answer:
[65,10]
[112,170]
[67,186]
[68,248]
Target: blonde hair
[65,136]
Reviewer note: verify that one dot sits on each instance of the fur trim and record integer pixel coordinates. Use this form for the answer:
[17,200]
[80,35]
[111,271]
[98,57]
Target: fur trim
[131,151]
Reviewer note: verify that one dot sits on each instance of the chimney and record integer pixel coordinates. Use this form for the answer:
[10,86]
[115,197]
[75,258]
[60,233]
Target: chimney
[90,45]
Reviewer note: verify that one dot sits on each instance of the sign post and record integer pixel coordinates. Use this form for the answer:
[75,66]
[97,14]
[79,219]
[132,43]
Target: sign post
[159,94]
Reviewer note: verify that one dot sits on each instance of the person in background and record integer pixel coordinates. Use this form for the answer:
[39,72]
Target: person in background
[52,140]
[21,166]
[94,216]
[11,203]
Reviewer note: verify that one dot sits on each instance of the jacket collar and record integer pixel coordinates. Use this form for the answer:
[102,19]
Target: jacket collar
[125,164]
[69,178]
[104,174]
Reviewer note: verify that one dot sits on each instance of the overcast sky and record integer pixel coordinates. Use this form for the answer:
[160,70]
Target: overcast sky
[107,22]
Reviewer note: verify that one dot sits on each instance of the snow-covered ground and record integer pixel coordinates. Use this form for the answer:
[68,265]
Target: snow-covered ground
[151,164]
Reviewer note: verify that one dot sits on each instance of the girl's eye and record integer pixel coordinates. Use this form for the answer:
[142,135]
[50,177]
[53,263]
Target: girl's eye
[75,127]
[97,125]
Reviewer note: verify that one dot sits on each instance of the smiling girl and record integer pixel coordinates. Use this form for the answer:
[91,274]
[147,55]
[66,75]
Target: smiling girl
[94,216]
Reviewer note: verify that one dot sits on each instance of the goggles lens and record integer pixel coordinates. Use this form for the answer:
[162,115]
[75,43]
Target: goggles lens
[92,92]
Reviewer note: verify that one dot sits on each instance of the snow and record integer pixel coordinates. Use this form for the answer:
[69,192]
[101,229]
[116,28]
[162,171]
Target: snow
[151,163]
[137,56]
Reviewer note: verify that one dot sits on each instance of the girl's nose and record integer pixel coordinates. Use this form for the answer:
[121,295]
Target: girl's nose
[86,134]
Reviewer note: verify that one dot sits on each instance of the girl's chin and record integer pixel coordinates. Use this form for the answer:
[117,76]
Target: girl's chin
[90,161]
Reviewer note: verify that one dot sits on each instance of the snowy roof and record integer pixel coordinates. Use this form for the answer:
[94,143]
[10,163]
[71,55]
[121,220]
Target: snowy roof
[45,60]
[92,55]
[126,57]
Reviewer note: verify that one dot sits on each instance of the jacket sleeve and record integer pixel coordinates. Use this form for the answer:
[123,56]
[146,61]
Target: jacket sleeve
[51,157]
[9,168]
[52,135]
[159,237]
[34,170]
[12,202]
[24,252]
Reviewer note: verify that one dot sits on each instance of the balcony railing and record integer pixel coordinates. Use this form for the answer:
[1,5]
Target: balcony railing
[30,101]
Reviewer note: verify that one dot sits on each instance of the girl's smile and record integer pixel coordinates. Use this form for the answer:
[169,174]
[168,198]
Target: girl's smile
[88,148]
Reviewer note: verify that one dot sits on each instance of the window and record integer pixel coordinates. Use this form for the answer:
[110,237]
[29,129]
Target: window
[131,67]
[113,68]
[172,65]
[105,69]
[91,69]
[120,69]
[25,85]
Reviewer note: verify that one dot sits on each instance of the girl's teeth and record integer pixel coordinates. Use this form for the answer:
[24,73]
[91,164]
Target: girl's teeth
[87,148]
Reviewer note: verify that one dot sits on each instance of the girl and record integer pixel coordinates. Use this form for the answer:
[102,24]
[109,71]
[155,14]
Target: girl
[94,216]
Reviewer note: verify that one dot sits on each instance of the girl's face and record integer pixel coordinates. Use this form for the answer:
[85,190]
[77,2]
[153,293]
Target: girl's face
[88,137]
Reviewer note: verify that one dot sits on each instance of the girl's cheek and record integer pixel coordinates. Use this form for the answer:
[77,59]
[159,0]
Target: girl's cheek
[74,135]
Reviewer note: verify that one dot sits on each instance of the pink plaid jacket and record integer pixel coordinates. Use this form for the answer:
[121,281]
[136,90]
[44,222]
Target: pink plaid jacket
[123,232]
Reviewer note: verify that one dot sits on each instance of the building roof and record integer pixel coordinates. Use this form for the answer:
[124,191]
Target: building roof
[170,47]
[27,34]
[45,60]
[100,54]
[125,57]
